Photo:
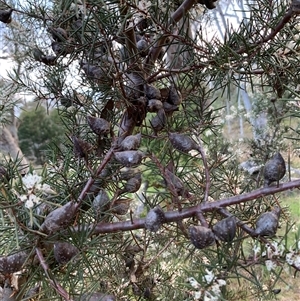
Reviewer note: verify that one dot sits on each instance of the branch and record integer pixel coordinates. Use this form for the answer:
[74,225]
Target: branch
[59,289]
[173,216]
[175,17]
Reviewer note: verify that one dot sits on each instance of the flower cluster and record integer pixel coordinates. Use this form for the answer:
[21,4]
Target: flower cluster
[212,290]
[33,186]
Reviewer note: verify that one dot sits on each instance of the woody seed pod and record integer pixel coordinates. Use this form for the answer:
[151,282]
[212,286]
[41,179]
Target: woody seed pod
[58,34]
[101,202]
[12,263]
[177,183]
[154,105]
[64,252]
[274,169]
[267,223]
[225,229]
[131,142]
[201,237]
[152,92]
[129,158]
[59,218]
[182,142]
[159,121]
[133,184]
[99,126]
[121,206]
[174,97]
[81,148]
[5,15]
[142,47]
[154,219]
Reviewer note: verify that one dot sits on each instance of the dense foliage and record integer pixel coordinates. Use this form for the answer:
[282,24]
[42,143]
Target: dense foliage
[143,198]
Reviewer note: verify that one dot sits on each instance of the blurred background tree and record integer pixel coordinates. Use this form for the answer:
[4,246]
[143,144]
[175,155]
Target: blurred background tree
[38,131]
[143,196]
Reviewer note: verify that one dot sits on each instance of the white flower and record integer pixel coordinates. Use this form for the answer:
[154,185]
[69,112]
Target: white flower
[297,261]
[29,204]
[270,265]
[33,198]
[193,282]
[209,277]
[289,258]
[197,295]
[31,180]
[221,282]
[256,250]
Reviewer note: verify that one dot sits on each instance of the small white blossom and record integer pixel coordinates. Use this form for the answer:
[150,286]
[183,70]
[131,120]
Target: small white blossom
[289,258]
[270,265]
[209,277]
[197,295]
[297,261]
[256,250]
[194,283]
[29,204]
[31,180]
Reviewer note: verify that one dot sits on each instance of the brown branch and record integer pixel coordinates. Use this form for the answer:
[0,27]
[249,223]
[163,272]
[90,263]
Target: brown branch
[285,19]
[173,216]
[58,288]
[175,17]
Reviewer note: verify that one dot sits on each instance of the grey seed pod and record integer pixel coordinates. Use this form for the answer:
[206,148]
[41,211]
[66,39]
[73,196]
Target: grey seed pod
[135,87]
[131,142]
[49,60]
[38,54]
[58,34]
[12,263]
[201,237]
[81,148]
[32,293]
[121,206]
[62,48]
[159,121]
[129,158]
[178,184]
[210,4]
[154,105]
[64,252]
[154,219]
[100,126]
[274,169]
[174,97]
[5,15]
[152,92]
[133,184]
[225,229]
[59,218]
[97,296]
[96,74]
[101,202]
[182,142]
[7,293]
[267,223]
[169,108]
[66,102]
[143,23]
[142,47]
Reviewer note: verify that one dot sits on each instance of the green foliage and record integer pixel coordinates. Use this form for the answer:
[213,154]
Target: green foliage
[39,131]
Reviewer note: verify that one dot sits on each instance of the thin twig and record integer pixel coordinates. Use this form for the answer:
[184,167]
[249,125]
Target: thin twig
[58,288]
